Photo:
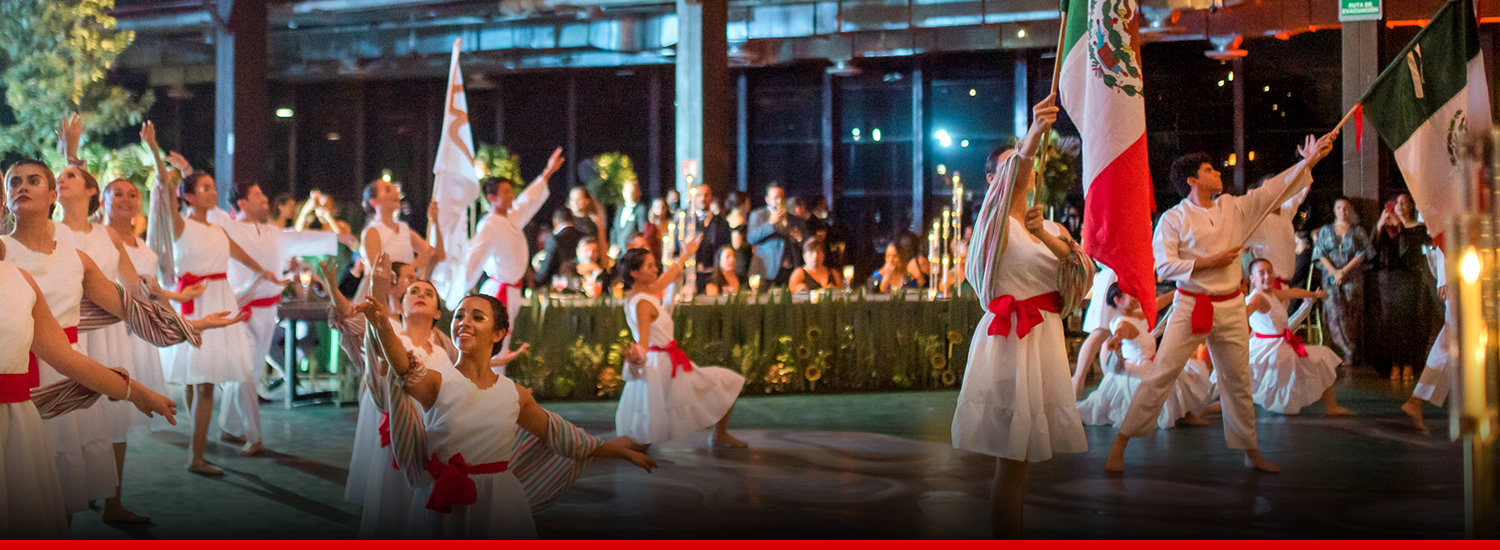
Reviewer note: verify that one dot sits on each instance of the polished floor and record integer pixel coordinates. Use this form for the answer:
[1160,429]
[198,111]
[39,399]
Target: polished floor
[865,466]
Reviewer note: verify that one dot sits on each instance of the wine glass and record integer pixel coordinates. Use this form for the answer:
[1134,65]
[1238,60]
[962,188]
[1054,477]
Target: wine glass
[559,283]
[848,277]
[755,283]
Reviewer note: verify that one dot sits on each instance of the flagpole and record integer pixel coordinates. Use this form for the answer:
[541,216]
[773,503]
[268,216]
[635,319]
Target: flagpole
[1040,166]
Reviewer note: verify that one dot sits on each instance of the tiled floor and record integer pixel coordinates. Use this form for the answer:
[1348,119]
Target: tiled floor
[860,466]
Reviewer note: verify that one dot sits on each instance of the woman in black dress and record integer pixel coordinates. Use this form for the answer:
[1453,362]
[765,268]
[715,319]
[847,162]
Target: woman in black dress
[1402,327]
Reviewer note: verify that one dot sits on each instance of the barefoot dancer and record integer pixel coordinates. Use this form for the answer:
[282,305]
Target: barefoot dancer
[667,396]
[1136,349]
[1197,246]
[1285,374]
[470,425]
[1016,403]
[1437,378]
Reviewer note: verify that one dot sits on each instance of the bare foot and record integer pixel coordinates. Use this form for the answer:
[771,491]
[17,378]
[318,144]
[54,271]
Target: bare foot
[253,449]
[1192,420]
[120,515]
[1116,461]
[205,469]
[1337,410]
[1413,410]
[1253,459]
[726,441]
[1217,407]
[225,437]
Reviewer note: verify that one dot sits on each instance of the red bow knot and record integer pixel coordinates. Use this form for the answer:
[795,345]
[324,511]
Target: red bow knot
[268,301]
[451,485]
[1291,339]
[679,359]
[1028,313]
[190,279]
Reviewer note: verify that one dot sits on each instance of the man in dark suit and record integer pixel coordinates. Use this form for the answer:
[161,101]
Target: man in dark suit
[560,247]
[777,238]
[715,232]
[629,218]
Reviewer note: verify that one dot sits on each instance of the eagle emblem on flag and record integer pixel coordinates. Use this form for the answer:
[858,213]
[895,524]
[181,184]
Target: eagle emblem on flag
[1112,38]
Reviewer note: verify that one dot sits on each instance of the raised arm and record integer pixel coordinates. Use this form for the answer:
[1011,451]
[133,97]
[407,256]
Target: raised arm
[672,273]
[163,176]
[244,258]
[530,200]
[535,420]
[383,336]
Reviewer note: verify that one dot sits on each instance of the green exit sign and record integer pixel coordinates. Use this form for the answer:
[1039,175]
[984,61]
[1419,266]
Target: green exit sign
[1359,10]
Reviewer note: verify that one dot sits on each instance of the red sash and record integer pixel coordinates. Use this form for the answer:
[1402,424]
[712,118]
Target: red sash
[451,485]
[1291,339]
[189,279]
[503,294]
[15,388]
[1203,309]
[1028,312]
[679,359]
[262,302]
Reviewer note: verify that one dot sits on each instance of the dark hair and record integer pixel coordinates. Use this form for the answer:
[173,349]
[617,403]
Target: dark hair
[395,270]
[283,198]
[91,184]
[1251,267]
[46,170]
[813,243]
[585,190]
[561,216]
[630,261]
[735,199]
[906,245]
[589,239]
[368,195]
[1185,167]
[1113,295]
[500,317]
[189,186]
[434,291]
[241,191]
[491,186]
[992,162]
[774,185]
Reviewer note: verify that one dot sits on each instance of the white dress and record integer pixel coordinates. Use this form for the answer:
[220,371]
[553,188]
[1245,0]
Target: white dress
[1099,314]
[661,407]
[385,493]
[1017,396]
[1110,401]
[111,345]
[481,426]
[80,440]
[1281,381]
[225,354]
[31,499]
[148,369]
[395,243]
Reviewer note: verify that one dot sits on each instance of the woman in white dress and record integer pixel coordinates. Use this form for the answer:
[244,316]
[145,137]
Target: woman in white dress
[666,396]
[385,235]
[470,421]
[1134,350]
[1017,403]
[1285,374]
[32,505]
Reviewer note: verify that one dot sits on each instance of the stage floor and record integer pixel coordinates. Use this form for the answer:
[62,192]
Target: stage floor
[864,466]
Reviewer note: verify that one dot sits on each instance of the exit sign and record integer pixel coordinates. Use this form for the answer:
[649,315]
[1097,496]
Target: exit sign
[1359,10]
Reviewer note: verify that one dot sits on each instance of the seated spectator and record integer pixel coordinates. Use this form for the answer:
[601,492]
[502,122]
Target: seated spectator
[564,238]
[898,272]
[814,274]
[586,273]
[726,279]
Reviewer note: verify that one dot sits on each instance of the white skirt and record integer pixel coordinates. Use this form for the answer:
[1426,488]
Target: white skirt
[1111,400]
[112,346]
[82,450]
[225,353]
[367,452]
[661,407]
[31,499]
[1017,396]
[1282,382]
[1437,378]
[388,500]
[500,512]
[148,371]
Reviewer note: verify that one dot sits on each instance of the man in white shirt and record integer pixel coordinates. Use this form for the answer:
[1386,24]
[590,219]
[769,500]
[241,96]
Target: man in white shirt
[498,248]
[1197,245]
[272,247]
[1276,239]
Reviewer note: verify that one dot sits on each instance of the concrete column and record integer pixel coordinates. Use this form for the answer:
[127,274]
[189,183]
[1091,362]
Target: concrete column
[241,109]
[1238,66]
[704,117]
[742,133]
[918,146]
[830,138]
[1361,65]
[1022,100]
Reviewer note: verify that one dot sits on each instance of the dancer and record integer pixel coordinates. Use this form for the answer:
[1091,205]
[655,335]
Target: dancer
[667,396]
[273,247]
[1016,403]
[471,421]
[1134,349]
[201,251]
[1097,320]
[1276,239]
[32,502]
[1285,374]
[1197,245]
[498,248]
[385,235]
[1437,378]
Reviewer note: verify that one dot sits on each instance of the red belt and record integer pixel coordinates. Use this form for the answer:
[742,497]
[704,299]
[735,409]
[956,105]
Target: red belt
[451,485]
[1291,339]
[262,302]
[188,279]
[504,292]
[1203,309]
[15,388]
[1281,283]
[1028,312]
[679,359]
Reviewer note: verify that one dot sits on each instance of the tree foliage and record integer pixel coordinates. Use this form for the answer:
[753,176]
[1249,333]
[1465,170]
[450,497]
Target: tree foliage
[56,54]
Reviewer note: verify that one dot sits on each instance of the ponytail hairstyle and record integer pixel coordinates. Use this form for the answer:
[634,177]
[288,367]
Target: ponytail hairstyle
[369,195]
[188,186]
[91,184]
[630,261]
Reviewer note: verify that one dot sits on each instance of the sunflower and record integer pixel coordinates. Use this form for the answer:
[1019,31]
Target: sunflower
[814,333]
[803,352]
[949,378]
[812,374]
[939,362]
[954,337]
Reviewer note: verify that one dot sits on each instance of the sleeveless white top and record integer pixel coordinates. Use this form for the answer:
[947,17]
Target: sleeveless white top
[59,274]
[143,258]
[1140,348]
[662,329]
[479,424]
[396,243]
[16,301]
[1269,322]
[202,249]
[100,248]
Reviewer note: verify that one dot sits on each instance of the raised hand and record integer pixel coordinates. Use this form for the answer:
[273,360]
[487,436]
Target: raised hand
[148,136]
[150,402]
[1034,220]
[70,134]
[507,357]
[371,308]
[554,163]
[326,272]
[180,163]
[380,277]
[690,249]
[1044,113]
[432,213]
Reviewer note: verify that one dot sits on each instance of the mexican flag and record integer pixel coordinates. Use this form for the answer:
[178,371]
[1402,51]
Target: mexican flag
[1101,90]
[1431,96]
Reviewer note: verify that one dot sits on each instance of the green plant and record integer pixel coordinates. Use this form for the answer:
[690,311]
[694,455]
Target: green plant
[606,174]
[1063,170]
[57,54]
[496,161]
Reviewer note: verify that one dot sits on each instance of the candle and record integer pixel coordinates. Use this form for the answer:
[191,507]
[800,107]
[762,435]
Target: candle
[848,274]
[755,282]
[1472,334]
[947,214]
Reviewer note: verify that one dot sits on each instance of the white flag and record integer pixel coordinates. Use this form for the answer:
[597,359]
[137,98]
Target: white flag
[455,185]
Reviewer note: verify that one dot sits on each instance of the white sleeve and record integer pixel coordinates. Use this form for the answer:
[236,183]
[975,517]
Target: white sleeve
[480,247]
[1170,267]
[308,243]
[530,200]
